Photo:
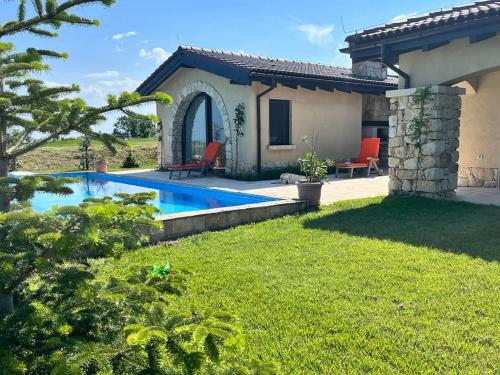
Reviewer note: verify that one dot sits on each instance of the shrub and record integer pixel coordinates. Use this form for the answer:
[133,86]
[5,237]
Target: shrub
[130,161]
[73,323]
[313,168]
[35,242]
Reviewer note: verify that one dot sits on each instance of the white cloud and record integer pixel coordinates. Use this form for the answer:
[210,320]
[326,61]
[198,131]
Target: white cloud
[120,84]
[124,35]
[158,54]
[106,74]
[319,35]
[403,17]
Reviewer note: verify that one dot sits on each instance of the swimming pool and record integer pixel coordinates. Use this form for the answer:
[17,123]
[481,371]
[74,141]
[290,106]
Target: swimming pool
[170,198]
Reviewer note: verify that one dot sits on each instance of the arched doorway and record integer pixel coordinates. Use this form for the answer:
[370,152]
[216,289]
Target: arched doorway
[202,124]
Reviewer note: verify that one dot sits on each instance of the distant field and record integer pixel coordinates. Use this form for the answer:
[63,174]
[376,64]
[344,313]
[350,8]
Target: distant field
[74,142]
[63,155]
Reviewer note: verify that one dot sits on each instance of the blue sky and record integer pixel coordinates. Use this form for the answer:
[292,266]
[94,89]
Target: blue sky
[135,36]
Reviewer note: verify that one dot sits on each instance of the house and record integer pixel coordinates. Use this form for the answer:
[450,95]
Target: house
[455,53]
[284,101]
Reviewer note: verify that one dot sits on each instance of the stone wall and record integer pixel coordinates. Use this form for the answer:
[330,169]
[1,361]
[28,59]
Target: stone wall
[430,169]
[478,177]
[370,69]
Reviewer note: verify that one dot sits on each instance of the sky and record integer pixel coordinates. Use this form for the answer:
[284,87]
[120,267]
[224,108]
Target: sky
[135,36]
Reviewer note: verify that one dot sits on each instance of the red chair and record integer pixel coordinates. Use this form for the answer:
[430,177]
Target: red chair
[206,162]
[368,157]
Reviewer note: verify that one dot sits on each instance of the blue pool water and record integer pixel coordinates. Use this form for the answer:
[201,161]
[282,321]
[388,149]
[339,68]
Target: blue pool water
[170,198]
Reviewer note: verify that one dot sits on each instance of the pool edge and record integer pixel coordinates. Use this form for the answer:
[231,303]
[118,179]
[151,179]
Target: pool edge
[193,222]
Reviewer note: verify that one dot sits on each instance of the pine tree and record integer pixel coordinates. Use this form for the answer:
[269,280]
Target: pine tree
[28,106]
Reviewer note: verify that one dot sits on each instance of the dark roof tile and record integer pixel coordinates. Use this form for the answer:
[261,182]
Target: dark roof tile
[454,15]
[275,66]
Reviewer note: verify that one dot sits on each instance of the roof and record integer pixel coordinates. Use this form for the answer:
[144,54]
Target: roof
[243,69]
[477,20]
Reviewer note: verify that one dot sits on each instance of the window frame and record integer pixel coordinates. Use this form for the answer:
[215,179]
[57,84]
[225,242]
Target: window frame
[289,141]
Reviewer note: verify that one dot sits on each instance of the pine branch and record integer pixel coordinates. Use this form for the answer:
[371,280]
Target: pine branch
[51,16]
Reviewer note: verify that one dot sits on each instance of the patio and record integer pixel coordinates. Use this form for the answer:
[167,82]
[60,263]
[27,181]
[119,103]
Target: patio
[337,189]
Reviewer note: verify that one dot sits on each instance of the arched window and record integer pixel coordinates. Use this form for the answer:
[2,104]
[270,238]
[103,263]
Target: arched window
[202,124]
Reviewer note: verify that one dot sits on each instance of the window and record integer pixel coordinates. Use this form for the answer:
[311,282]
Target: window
[202,124]
[279,122]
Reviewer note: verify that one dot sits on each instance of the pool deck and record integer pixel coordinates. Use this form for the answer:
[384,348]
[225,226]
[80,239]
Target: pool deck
[336,189]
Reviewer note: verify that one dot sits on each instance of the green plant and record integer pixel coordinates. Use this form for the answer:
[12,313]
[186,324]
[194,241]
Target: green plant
[36,242]
[161,271]
[313,168]
[130,160]
[420,123]
[28,106]
[87,156]
[73,323]
[239,131]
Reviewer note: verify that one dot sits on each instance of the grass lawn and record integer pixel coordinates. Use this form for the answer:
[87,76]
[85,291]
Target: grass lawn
[63,155]
[377,285]
[75,142]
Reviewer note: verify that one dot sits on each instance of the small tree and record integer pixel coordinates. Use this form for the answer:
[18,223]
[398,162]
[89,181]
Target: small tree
[239,123]
[86,153]
[126,127]
[130,160]
[28,106]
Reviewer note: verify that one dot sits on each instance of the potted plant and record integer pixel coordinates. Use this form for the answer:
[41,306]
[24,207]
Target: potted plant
[101,163]
[315,173]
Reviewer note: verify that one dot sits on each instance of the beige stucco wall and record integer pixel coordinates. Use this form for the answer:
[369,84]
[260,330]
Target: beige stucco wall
[231,96]
[480,124]
[451,63]
[335,116]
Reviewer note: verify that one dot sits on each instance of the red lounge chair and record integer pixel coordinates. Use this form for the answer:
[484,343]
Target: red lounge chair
[368,157]
[206,162]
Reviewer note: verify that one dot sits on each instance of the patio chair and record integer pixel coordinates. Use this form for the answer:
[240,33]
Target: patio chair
[368,158]
[206,162]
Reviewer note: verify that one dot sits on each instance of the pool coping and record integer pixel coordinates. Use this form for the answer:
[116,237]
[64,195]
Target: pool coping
[192,222]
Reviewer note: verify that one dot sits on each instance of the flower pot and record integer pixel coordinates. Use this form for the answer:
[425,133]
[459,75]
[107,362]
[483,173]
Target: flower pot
[101,167]
[220,162]
[310,191]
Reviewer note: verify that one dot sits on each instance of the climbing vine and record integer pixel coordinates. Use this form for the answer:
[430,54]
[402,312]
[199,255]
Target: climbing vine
[239,124]
[420,98]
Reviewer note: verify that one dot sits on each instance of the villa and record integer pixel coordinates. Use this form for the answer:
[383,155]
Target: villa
[284,101]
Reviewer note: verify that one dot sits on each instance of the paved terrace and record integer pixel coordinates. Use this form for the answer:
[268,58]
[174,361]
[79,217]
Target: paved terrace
[333,191]
[337,189]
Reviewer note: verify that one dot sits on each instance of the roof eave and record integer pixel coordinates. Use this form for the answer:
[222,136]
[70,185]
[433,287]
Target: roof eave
[344,85]
[422,39]
[183,58]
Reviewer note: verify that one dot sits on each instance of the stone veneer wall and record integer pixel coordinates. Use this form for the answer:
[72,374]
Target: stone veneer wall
[430,170]
[478,177]
[173,138]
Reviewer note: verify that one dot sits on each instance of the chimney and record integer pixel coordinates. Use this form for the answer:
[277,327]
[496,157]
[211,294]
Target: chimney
[370,69]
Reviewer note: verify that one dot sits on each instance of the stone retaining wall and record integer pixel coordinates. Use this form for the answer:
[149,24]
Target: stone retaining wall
[187,223]
[429,169]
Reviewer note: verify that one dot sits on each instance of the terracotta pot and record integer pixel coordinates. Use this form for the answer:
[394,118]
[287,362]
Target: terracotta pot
[220,162]
[101,167]
[310,191]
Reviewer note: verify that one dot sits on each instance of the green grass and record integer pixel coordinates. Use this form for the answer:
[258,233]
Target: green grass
[74,142]
[379,285]
[63,156]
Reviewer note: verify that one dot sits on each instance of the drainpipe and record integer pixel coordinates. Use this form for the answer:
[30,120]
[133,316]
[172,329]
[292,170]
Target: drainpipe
[402,73]
[259,132]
